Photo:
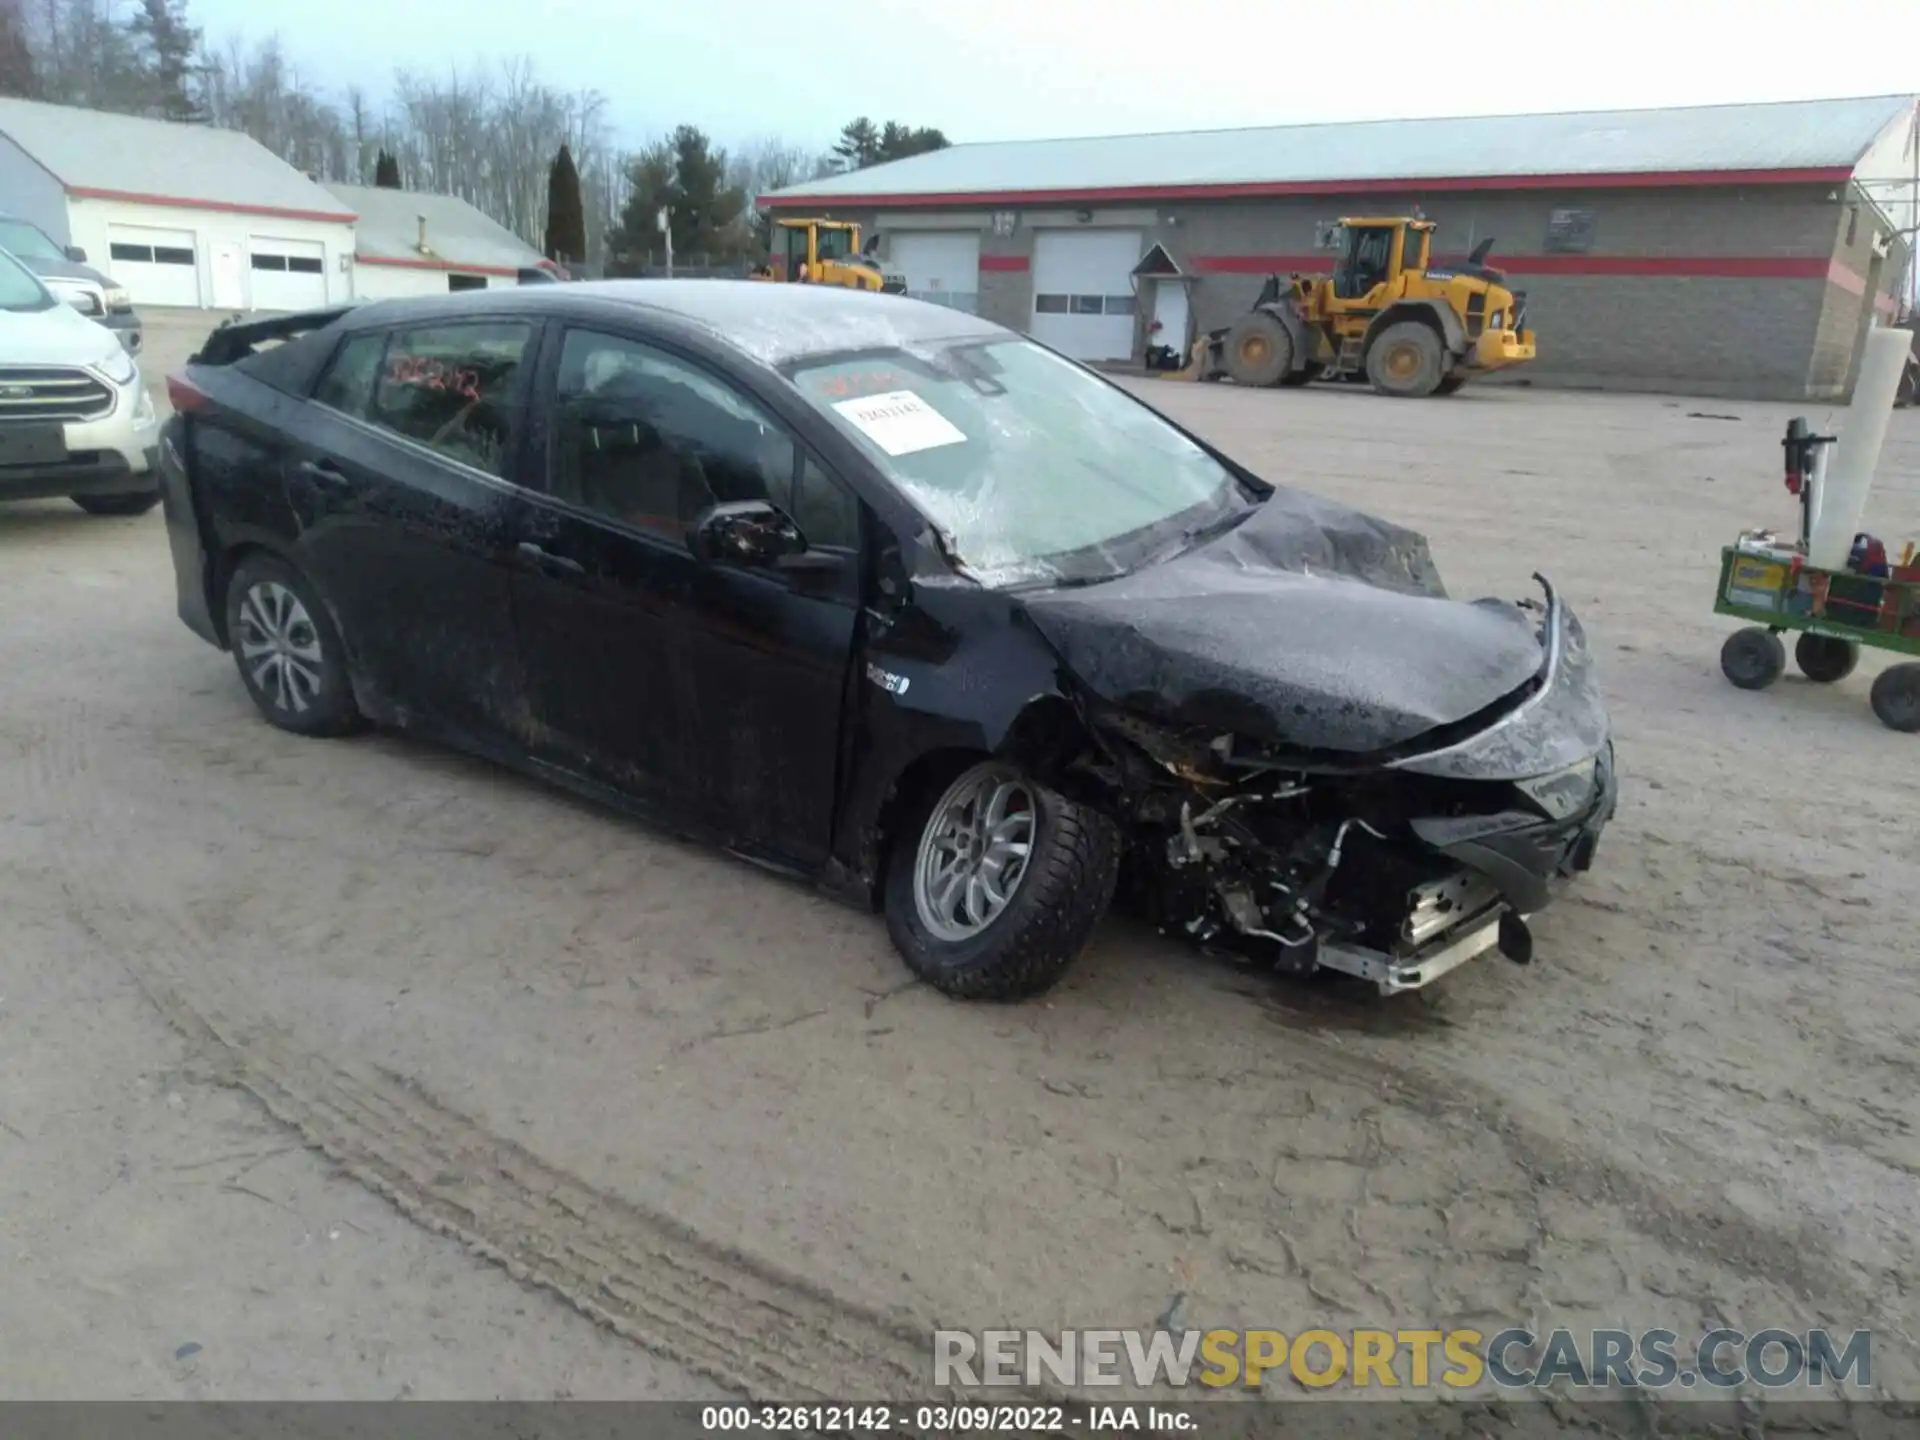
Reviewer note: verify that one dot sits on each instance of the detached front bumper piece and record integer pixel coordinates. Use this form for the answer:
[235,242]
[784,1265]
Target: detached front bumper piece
[1395,973]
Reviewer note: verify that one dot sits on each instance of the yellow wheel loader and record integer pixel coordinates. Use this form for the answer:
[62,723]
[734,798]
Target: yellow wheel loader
[1382,317]
[826,252]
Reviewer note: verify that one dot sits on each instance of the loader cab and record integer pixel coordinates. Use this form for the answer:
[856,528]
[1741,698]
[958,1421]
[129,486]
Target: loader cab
[812,243]
[1374,252]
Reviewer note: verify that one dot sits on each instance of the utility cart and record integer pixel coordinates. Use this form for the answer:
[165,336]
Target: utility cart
[1872,603]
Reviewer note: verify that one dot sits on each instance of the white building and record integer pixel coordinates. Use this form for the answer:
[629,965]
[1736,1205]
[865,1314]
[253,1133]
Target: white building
[182,215]
[410,243]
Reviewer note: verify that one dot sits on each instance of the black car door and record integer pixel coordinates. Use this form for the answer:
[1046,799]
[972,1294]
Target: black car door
[399,477]
[715,690]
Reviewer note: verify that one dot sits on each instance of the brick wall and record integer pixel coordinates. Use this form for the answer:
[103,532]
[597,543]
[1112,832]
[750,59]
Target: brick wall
[1702,291]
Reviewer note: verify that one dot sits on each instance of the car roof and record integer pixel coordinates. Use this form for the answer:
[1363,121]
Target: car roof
[771,321]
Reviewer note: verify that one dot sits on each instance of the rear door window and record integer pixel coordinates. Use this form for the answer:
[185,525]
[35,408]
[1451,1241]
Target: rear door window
[452,388]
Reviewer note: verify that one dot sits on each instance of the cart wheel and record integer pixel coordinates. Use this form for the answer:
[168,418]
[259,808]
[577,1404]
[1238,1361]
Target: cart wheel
[1896,697]
[1753,658]
[1823,659]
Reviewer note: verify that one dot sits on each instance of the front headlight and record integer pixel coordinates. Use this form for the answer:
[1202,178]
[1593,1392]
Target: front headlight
[118,299]
[118,367]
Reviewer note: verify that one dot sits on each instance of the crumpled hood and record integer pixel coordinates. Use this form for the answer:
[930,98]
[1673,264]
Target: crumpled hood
[1309,625]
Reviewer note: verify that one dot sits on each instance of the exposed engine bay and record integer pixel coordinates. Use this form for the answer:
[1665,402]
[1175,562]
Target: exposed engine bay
[1305,860]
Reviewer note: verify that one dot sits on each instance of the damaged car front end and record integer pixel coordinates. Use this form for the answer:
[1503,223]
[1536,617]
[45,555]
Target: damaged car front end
[1394,866]
[1306,752]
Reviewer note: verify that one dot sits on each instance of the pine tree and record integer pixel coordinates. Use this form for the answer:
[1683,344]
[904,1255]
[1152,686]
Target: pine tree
[566,214]
[169,45]
[858,145]
[386,171]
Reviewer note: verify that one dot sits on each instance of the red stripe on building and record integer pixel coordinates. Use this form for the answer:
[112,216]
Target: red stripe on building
[1265,190]
[331,217]
[1003,262]
[1713,267]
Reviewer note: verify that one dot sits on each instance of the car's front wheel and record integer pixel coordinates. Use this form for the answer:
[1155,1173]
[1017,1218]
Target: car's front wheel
[135,502]
[996,888]
[290,656]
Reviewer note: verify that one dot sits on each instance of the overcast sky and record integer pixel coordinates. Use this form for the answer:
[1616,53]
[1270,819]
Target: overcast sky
[1012,69]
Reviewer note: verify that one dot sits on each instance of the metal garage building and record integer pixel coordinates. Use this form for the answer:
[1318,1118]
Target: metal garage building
[178,214]
[410,243]
[1716,250]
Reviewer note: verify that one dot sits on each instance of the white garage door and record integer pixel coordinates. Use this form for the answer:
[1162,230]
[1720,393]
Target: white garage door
[1083,298]
[157,267]
[940,266]
[287,274]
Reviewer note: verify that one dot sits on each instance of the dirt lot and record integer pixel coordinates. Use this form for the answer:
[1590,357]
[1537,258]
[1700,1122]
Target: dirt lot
[260,998]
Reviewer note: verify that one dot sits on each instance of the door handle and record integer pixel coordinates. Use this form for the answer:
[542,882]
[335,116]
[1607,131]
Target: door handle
[324,471]
[546,560]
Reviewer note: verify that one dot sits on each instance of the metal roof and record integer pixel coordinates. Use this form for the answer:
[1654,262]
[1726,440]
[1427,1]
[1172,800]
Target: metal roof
[1697,145]
[459,236]
[98,155]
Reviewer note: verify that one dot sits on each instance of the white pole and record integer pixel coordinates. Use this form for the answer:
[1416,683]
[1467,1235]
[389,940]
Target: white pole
[1843,489]
[663,221]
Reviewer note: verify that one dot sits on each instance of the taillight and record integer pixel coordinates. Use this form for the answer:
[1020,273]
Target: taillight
[184,395]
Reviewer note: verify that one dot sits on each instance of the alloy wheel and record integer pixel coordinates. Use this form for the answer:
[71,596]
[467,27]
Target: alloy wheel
[974,852]
[280,647]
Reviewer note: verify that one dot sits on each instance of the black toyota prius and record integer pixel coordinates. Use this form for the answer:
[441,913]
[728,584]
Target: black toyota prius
[893,598]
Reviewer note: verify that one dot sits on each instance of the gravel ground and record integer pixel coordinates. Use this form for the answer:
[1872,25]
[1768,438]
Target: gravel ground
[306,1048]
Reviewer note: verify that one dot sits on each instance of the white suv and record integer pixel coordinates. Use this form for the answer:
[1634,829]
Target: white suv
[75,418]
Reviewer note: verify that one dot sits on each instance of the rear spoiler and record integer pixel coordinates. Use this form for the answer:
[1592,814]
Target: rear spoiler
[235,339]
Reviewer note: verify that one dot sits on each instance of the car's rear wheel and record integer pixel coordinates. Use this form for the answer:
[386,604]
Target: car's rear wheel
[289,655]
[996,888]
[136,502]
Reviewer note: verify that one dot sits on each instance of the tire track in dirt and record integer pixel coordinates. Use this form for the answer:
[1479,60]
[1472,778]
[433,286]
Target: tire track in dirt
[642,1274]
[646,1276]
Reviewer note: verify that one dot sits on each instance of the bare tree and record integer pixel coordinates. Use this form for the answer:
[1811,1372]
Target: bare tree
[85,53]
[770,164]
[486,135]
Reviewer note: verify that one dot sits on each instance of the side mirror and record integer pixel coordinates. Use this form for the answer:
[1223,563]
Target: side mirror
[745,532]
[76,255]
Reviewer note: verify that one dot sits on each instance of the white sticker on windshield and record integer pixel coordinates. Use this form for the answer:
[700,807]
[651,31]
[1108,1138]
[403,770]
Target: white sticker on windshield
[900,422]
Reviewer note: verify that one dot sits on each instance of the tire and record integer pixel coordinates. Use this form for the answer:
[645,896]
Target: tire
[1406,361]
[1057,898]
[1823,659]
[274,614]
[136,502]
[1896,697]
[1258,351]
[1753,658]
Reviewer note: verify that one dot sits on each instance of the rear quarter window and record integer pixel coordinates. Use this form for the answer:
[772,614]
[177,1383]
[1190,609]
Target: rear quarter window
[289,365]
[347,385]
